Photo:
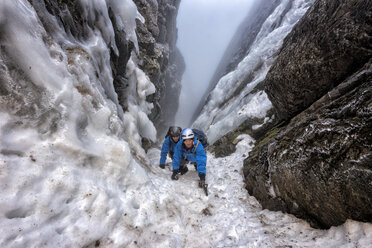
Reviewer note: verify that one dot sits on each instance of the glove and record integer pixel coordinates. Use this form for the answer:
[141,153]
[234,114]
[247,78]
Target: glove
[201,176]
[202,180]
[175,175]
[201,183]
[162,166]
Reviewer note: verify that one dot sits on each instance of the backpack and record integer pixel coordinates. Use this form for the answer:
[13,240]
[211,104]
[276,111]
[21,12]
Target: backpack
[201,137]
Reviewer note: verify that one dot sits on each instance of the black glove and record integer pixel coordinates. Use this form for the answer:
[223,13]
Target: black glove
[162,166]
[202,180]
[175,175]
[201,176]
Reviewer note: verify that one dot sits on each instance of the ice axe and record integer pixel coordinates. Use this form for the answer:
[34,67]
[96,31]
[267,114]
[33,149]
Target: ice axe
[204,186]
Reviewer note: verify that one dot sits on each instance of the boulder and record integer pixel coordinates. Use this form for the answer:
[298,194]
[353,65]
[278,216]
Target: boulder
[331,42]
[319,167]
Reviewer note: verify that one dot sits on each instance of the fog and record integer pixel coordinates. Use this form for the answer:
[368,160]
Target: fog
[205,28]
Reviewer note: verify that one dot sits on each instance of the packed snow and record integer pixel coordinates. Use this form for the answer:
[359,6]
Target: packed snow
[72,169]
[57,200]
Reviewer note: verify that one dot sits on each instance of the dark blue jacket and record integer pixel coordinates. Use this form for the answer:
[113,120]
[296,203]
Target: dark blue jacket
[196,154]
[168,146]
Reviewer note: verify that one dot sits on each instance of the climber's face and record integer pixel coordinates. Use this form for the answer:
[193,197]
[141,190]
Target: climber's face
[176,138]
[188,143]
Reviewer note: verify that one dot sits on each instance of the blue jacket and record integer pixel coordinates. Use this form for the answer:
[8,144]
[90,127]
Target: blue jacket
[168,146]
[196,154]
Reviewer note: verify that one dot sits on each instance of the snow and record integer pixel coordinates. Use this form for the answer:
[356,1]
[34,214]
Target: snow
[125,205]
[85,181]
[255,106]
[227,108]
[255,127]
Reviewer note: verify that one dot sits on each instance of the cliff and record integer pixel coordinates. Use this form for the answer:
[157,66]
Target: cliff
[160,58]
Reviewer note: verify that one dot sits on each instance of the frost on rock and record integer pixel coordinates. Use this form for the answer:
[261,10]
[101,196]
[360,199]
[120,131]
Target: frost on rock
[139,88]
[126,14]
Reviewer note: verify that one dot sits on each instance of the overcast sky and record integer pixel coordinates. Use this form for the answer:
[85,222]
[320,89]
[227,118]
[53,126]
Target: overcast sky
[205,27]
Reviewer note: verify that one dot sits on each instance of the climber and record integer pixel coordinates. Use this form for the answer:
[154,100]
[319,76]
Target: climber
[171,139]
[191,150]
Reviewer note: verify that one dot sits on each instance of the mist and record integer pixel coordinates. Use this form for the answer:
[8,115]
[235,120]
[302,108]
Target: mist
[205,28]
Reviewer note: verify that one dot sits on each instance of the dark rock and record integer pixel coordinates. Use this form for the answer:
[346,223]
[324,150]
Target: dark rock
[319,167]
[329,44]
[160,58]
[206,212]
[146,144]
[119,60]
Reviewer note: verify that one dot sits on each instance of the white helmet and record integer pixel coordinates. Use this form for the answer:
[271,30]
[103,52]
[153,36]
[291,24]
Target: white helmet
[187,133]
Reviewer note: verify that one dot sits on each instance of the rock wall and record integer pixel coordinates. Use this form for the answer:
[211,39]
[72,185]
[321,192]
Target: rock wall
[160,58]
[325,48]
[319,165]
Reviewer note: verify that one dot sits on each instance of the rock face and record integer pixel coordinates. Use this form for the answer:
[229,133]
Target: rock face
[319,166]
[160,58]
[327,46]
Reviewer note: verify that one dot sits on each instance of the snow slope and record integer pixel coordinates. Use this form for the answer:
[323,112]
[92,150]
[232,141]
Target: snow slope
[229,217]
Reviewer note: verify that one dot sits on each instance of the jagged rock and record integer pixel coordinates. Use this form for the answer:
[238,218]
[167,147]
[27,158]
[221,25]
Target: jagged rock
[160,59]
[329,44]
[319,167]
[119,60]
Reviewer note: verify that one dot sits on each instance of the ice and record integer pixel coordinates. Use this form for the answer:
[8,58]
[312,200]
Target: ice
[139,88]
[233,116]
[127,13]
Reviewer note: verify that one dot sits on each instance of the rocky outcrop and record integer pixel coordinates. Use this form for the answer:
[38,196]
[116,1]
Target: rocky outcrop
[160,58]
[319,166]
[327,46]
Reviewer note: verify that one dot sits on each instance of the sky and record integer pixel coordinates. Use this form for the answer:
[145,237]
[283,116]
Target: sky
[205,28]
